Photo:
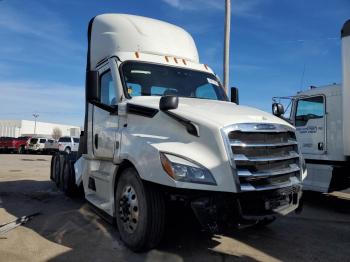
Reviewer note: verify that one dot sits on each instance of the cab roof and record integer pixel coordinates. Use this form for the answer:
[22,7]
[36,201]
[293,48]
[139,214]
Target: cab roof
[113,33]
[326,90]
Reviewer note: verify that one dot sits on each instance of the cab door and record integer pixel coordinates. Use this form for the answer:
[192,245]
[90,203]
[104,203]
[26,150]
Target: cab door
[105,122]
[310,123]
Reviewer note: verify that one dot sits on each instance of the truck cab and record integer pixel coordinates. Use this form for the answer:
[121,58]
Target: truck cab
[317,116]
[322,127]
[159,127]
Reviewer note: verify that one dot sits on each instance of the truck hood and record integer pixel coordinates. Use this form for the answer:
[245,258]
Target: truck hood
[220,113]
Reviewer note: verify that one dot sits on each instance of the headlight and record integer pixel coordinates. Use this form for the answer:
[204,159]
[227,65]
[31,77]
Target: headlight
[184,170]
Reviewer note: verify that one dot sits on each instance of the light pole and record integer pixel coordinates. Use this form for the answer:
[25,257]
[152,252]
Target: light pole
[227,44]
[35,117]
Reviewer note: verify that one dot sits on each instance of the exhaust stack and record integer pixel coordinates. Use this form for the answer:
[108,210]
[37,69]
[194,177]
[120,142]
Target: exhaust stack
[345,42]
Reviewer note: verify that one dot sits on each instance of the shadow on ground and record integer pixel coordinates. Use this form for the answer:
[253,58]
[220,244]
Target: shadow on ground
[313,235]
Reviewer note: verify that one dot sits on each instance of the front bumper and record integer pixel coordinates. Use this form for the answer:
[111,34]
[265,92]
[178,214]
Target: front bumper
[270,202]
[219,211]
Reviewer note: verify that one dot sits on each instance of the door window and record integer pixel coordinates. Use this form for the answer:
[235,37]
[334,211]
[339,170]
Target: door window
[309,108]
[107,89]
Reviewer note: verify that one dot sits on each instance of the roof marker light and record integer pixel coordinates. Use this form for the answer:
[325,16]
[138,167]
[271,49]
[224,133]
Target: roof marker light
[137,54]
[184,61]
[206,67]
[175,60]
[166,58]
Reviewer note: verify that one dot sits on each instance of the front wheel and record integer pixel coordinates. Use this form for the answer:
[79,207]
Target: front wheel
[140,212]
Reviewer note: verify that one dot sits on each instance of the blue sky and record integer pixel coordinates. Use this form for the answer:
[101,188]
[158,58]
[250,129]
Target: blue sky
[43,47]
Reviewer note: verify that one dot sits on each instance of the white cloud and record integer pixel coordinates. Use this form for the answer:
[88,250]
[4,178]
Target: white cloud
[55,102]
[238,7]
[174,3]
[196,4]
[35,41]
[36,29]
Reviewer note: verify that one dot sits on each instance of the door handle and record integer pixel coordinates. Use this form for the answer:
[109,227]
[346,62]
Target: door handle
[96,141]
[320,146]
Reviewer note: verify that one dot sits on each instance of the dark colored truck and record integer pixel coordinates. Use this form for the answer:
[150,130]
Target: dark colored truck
[11,144]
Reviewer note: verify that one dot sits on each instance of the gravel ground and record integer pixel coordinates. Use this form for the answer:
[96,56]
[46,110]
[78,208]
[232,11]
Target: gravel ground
[68,229]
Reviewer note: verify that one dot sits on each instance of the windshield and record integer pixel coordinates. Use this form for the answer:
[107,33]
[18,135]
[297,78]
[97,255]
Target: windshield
[64,139]
[142,79]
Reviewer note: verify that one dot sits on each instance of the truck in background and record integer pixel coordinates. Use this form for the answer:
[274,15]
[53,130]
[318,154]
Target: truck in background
[68,144]
[320,116]
[160,128]
[50,146]
[13,145]
[36,144]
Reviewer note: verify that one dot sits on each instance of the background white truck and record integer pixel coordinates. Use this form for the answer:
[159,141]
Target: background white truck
[68,144]
[321,118]
[159,127]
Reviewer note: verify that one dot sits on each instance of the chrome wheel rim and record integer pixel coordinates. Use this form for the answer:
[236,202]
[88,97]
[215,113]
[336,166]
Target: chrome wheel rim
[129,209]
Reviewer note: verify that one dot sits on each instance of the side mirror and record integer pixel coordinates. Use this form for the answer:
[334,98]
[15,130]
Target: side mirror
[277,109]
[92,86]
[168,102]
[234,95]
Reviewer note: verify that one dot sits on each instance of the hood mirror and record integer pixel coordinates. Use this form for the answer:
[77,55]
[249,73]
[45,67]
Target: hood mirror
[277,109]
[168,102]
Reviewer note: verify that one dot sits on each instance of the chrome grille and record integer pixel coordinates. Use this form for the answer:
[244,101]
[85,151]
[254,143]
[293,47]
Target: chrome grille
[264,159]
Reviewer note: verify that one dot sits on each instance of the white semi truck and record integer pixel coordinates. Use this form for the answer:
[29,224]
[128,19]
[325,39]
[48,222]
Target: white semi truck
[159,127]
[321,118]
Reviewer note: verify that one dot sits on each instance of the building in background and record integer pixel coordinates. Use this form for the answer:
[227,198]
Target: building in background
[16,128]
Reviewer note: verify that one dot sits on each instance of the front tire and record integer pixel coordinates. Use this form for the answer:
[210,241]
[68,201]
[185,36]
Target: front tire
[140,212]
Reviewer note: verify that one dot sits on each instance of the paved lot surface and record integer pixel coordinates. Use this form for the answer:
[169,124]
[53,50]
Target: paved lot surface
[68,229]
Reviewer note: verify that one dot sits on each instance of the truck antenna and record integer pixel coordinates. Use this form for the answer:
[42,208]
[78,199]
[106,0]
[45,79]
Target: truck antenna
[302,77]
